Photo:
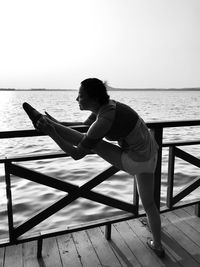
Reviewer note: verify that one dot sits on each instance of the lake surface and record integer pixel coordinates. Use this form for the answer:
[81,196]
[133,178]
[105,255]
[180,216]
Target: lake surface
[29,197]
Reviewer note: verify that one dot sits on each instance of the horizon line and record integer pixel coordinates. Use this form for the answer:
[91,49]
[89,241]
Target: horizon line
[109,89]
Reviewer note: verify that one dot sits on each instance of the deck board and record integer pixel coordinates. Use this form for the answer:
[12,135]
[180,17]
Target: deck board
[86,252]
[143,233]
[189,231]
[143,255]
[29,254]
[120,247]
[103,249]
[183,236]
[89,248]
[51,254]
[68,251]
[190,219]
[181,245]
[13,256]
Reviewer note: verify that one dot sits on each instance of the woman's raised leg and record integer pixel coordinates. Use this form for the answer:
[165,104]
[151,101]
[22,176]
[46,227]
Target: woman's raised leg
[108,151]
[70,135]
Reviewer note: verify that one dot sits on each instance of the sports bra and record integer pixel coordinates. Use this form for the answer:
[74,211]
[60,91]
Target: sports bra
[122,123]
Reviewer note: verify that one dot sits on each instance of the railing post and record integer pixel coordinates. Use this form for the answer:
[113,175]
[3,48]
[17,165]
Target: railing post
[135,197]
[39,248]
[170,182]
[9,201]
[158,134]
[197,209]
[108,228]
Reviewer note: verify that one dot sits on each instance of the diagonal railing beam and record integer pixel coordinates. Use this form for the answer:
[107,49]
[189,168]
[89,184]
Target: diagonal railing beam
[29,224]
[43,179]
[176,152]
[71,188]
[187,157]
[74,193]
[186,190]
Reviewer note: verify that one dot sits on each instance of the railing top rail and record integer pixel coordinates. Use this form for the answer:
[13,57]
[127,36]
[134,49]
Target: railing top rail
[33,132]
[83,128]
[52,155]
[168,124]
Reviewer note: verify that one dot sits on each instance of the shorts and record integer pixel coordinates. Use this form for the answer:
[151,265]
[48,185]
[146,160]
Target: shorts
[140,144]
[136,167]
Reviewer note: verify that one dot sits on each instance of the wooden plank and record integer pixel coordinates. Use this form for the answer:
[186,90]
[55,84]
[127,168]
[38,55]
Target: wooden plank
[30,133]
[2,251]
[181,143]
[177,252]
[105,254]
[192,220]
[190,209]
[13,256]
[86,252]
[181,239]
[179,244]
[84,128]
[191,237]
[166,124]
[50,253]
[68,252]
[143,233]
[120,248]
[30,254]
[141,252]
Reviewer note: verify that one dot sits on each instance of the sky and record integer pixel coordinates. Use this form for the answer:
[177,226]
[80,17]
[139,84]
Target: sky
[128,43]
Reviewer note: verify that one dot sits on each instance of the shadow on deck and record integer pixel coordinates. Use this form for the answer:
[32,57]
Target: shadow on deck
[180,235]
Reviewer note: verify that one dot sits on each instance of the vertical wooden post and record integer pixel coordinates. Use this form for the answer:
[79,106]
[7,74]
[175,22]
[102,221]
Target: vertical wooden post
[197,209]
[39,248]
[158,134]
[135,197]
[170,181]
[108,228]
[9,201]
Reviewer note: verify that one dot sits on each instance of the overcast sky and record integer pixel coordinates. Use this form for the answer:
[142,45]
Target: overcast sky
[129,43]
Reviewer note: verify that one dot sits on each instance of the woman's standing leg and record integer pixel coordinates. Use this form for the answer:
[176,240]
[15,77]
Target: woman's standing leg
[145,184]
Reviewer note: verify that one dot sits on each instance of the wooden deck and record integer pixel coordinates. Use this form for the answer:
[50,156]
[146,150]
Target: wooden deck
[181,239]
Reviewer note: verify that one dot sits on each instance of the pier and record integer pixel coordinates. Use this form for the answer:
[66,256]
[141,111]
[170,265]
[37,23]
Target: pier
[115,241]
[90,248]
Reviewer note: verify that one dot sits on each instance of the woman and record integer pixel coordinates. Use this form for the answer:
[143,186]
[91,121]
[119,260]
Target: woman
[136,153]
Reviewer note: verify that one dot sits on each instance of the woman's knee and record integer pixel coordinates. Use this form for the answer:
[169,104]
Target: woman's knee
[109,152]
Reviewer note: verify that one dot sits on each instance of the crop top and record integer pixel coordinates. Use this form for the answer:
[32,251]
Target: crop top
[114,121]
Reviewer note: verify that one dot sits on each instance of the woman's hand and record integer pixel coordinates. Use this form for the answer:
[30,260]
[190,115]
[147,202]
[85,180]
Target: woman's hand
[45,125]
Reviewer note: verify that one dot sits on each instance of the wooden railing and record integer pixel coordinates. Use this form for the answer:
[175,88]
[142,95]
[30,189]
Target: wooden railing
[18,234]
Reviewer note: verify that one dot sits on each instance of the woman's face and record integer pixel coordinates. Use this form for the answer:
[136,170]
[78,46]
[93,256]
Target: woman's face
[83,99]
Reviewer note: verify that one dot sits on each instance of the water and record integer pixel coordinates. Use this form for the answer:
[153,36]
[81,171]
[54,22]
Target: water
[29,197]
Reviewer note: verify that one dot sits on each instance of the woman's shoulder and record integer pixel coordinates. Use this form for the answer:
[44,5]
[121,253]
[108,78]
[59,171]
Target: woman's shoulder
[107,111]
[108,107]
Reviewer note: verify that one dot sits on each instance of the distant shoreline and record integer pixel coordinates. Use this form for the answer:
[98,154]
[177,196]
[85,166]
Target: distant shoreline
[110,89]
